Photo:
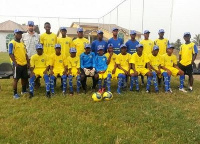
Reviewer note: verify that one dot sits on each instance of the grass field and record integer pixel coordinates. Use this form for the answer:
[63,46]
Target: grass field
[127,119]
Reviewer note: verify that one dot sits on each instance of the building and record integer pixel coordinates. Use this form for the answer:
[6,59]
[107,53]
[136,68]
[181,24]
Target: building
[6,33]
[90,31]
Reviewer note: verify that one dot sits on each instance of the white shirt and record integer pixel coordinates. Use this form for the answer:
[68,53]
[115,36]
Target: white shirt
[30,42]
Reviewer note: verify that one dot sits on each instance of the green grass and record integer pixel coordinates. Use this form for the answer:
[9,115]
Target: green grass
[129,118]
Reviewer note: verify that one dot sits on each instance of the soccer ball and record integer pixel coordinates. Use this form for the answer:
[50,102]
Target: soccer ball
[107,96]
[96,97]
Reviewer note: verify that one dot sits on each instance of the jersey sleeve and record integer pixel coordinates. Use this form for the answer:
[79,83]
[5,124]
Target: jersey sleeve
[195,49]
[10,48]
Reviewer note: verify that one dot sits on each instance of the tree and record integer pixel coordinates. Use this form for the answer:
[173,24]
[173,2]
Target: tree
[177,44]
[196,39]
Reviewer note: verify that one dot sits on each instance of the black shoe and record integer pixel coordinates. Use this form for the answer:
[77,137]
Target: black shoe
[30,95]
[48,94]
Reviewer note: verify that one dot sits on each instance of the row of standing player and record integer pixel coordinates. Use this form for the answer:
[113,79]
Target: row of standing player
[48,40]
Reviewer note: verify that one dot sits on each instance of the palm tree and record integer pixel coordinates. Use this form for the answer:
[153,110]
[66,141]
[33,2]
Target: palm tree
[196,39]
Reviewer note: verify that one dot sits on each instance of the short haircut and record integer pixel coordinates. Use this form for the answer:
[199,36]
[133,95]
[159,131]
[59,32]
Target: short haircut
[46,23]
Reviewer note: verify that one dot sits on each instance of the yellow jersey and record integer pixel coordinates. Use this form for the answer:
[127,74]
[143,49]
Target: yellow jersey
[112,63]
[79,44]
[162,44]
[73,62]
[39,61]
[186,52]
[66,44]
[19,51]
[155,61]
[123,60]
[139,61]
[48,41]
[169,61]
[147,46]
[58,62]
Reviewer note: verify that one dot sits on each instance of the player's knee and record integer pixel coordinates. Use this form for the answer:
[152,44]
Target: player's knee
[164,74]
[149,74]
[181,72]
[70,76]
[33,77]
[154,74]
[51,77]
[109,76]
[64,77]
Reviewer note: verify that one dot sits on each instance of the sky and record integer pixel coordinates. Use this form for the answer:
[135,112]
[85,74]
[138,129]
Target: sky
[157,14]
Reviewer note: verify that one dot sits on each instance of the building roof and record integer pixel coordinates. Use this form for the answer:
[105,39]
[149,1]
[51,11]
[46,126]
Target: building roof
[107,27]
[10,26]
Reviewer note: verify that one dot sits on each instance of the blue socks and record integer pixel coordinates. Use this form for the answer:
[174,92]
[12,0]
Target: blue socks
[109,82]
[182,79]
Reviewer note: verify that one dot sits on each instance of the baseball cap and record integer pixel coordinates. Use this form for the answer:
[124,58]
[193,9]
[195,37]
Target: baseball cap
[80,29]
[72,50]
[30,23]
[146,31]
[17,31]
[170,46]
[110,45]
[187,33]
[87,46]
[139,45]
[123,45]
[155,47]
[132,32]
[63,28]
[161,31]
[100,32]
[57,46]
[39,46]
[115,29]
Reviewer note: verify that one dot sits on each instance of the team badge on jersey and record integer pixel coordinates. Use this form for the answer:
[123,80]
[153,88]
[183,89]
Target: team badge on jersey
[42,60]
[60,61]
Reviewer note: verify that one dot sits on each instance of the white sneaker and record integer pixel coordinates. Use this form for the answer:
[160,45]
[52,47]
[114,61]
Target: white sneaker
[170,90]
[183,90]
